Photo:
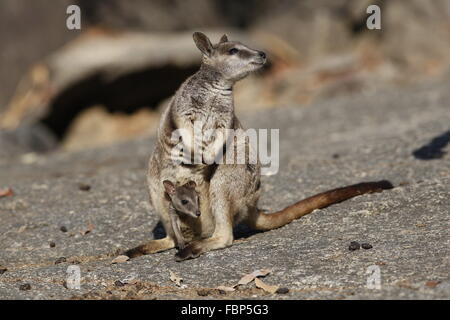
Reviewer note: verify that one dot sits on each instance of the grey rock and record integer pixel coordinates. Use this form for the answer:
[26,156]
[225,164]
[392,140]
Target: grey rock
[375,135]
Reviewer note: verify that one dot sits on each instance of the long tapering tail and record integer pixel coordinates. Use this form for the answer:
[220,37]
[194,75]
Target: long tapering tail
[268,221]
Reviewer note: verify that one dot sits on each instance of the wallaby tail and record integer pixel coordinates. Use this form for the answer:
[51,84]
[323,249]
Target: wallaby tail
[269,221]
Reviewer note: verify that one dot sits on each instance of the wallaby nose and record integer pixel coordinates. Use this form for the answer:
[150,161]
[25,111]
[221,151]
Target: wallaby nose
[197,213]
[262,54]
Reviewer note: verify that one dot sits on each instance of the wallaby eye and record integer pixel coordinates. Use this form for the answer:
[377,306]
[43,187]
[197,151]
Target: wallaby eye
[184,202]
[233,51]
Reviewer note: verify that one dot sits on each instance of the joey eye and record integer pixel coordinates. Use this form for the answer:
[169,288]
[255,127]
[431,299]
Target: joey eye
[184,202]
[233,51]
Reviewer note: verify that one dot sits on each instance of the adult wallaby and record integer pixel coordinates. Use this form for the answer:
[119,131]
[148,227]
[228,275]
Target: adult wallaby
[228,193]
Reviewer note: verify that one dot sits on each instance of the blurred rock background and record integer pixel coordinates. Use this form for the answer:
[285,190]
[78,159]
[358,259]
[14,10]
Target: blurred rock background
[70,89]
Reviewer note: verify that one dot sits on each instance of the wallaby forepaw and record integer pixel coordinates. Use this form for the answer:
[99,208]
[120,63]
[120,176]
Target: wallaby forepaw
[189,252]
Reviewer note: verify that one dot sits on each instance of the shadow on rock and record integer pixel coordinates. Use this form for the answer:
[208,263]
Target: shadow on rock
[433,150]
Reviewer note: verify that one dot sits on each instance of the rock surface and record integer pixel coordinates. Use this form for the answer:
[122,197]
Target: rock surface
[98,197]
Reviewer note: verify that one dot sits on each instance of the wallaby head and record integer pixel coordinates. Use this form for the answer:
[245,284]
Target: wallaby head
[231,59]
[184,198]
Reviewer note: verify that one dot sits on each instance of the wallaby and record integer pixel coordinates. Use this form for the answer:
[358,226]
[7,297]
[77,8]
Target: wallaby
[228,193]
[183,204]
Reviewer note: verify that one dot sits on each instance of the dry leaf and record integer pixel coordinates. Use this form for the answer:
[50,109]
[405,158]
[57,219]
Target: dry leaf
[432,284]
[251,276]
[6,192]
[120,259]
[226,289]
[175,278]
[262,272]
[89,228]
[265,287]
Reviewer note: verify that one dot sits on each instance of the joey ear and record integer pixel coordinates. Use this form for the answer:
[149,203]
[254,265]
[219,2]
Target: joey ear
[203,44]
[224,39]
[191,184]
[170,188]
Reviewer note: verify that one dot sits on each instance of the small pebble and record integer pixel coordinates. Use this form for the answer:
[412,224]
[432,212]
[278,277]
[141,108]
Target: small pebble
[60,260]
[119,283]
[52,244]
[25,287]
[282,291]
[63,229]
[203,292]
[84,187]
[366,246]
[354,246]
[3,270]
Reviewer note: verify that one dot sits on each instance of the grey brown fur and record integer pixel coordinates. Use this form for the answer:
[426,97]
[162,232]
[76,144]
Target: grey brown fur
[184,205]
[228,193]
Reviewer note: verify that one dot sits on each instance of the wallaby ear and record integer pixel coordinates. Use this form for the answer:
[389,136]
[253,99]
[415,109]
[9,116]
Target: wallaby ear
[191,184]
[170,188]
[224,39]
[203,44]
